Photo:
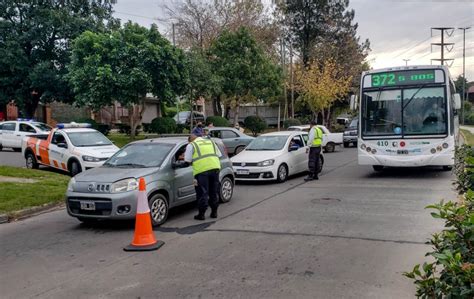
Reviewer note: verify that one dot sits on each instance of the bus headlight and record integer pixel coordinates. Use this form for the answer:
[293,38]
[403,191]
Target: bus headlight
[439,148]
[445,145]
[433,151]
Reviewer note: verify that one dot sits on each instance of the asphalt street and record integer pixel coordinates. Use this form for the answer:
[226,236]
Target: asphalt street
[11,158]
[349,235]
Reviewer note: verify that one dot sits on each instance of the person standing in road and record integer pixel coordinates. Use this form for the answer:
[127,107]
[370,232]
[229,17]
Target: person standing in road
[198,130]
[204,156]
[315,139]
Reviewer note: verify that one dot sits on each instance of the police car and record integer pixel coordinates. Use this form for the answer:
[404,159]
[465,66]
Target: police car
[70,147]
[12,132]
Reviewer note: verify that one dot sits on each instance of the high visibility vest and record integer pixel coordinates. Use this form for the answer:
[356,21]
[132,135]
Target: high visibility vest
[205,156]
[318,136]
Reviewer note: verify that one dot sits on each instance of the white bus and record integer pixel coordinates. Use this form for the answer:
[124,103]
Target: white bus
[408,117]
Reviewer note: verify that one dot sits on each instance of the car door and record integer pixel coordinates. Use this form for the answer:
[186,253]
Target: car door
[56,153]
[8,134]
[24,130]
[183,179]
[230,140]
[300,158]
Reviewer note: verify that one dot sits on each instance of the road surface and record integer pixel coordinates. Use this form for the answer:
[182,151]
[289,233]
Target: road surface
[349,235]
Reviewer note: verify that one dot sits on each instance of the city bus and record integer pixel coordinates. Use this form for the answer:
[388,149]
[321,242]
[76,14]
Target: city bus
[408,117]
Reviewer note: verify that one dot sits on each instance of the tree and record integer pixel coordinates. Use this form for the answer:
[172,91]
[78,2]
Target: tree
[246,72]
[459,83]
[320,87]
[123,67]
[35,40]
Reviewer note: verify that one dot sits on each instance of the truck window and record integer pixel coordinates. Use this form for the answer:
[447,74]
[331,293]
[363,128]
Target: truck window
[8,127]
[27,128]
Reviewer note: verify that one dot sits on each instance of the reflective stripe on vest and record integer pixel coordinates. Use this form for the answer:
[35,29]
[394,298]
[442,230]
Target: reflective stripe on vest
[318,137]
[205,156]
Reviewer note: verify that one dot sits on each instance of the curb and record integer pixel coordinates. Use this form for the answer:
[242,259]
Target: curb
[30,212]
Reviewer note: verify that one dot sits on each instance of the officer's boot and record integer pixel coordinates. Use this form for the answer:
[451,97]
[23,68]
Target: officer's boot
[200,216]
[214,213]
[309,177]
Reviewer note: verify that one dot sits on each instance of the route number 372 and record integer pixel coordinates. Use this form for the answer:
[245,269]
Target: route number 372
[382,143]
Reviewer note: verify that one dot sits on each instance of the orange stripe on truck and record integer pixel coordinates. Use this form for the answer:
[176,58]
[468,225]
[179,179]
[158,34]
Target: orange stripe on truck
[55,164]
[63,166]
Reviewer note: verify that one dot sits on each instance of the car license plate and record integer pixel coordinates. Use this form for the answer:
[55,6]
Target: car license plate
[243,171]
[402,152]
[88,205]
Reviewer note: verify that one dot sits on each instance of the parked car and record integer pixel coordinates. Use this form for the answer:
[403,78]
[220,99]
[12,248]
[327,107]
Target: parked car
[70,147]
[184,117]
[12,132]
[330,140]
[233,139]
[110,191]
[351,133]
[273,156]
[345,121]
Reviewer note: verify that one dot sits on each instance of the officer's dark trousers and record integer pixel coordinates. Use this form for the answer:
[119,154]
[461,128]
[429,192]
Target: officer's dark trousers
[206,190]
[313,160]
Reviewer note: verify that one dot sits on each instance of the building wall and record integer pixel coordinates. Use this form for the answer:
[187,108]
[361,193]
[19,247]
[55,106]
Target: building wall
[150,112]
[61,112]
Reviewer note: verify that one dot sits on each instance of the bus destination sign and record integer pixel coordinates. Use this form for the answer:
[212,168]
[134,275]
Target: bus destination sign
[403,78]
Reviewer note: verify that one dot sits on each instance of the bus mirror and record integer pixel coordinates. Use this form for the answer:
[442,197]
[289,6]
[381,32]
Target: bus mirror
[457,101]
[353,103]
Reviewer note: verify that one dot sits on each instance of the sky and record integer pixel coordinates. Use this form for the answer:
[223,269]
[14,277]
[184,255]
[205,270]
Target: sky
[396,29]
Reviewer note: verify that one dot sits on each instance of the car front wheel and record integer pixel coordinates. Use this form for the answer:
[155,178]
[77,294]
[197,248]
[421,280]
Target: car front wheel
[159,209]
[282,173]
[226,189]
[74,168]
[31,161]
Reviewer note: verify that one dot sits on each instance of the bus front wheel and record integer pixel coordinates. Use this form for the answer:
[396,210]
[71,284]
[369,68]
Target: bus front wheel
[447,168]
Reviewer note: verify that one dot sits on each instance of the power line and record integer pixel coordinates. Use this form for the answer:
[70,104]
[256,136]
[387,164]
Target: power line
[409,49]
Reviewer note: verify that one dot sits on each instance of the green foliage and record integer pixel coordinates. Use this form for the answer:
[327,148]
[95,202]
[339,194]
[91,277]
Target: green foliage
[121,140]
[182,129]
[163,125]
[469,120]
[218,121]
[451,275]
[256,124]
[291,122]
[36,41]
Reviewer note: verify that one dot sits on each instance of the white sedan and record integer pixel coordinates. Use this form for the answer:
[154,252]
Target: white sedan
[273,156]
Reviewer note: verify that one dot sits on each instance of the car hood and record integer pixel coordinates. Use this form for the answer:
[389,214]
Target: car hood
[106,174]
[255,156]
[105,151]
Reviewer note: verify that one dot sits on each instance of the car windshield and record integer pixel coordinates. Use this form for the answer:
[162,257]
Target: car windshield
[354,124]
[267,143]
[421,112]
[42,127]
[90,138]
[140,155]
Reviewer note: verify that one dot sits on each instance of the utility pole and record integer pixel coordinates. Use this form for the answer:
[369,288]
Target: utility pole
[442,44]
[406,61]
[463,70]
[174,38]
[292,83]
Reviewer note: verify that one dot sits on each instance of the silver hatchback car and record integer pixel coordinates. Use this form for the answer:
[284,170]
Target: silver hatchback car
[110,191]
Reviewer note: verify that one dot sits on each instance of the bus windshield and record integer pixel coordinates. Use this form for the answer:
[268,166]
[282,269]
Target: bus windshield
[411,111]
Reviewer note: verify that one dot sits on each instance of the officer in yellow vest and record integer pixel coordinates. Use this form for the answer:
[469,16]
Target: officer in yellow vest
[315,139]
[204,156]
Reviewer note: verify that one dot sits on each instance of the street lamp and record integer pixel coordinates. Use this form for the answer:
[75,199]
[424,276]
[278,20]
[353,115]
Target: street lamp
[406,61]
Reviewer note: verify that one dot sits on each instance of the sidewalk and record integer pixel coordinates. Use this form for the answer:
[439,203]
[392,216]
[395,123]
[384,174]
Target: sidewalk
[468,128]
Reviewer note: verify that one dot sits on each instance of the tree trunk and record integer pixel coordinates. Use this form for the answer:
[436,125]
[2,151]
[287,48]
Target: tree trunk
[135,114]
[328,119]
[32,104]
[216,105]
[236,114]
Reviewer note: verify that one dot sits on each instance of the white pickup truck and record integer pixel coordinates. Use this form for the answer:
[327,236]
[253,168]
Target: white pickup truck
[330,140]
[12,132]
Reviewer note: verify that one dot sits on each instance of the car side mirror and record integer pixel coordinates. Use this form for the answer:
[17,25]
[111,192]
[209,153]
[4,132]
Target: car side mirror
[62,145]
[294,148]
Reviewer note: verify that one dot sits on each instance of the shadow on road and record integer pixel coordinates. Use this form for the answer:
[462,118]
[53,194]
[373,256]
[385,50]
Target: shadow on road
[411,173]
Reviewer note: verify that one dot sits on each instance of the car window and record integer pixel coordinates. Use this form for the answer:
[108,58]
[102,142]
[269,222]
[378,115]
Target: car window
[305,138]
[42,127]
[297,140]
[58,138]
[27,128]
[8,127]
[216,134]
[227,134]
[179,156]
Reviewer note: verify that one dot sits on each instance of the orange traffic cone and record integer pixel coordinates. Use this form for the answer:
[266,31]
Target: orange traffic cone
[144,239]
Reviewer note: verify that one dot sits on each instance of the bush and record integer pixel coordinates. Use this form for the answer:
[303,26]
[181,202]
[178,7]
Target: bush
[452,272]
[256,124]
[103,128]
[90,121]
[291,122]
[163,125]
[181,128]
[469,120]
[124,128]
[147,128]
[218,121]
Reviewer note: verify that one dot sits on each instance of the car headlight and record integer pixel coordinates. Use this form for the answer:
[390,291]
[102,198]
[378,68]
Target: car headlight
[70,186]
[90,159]
[266,163]
[124,185]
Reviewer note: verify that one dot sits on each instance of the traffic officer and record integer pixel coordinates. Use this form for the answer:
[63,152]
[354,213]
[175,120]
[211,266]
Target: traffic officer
[204,156]
[315,140]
